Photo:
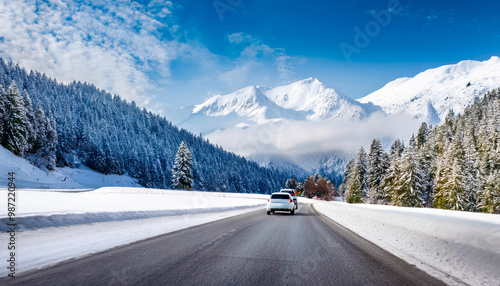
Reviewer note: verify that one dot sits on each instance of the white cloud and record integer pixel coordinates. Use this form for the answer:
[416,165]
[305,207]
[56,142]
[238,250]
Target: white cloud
[238,38]
[107,43]
[255,49]
[120,46]
[294,138]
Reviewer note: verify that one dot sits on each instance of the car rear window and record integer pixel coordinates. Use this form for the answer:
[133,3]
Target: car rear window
[280,196]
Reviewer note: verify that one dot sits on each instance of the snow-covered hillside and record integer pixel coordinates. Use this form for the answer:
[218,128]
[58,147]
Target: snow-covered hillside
[29,176]
[305,100]
[432,93]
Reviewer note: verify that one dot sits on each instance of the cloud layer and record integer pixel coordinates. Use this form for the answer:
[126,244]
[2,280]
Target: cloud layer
[113,44]
[295,138]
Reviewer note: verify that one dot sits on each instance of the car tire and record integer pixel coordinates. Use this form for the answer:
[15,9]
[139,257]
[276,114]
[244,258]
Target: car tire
[268,213]
[292,212]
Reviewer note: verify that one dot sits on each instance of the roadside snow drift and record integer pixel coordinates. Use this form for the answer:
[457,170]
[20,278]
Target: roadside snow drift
[58,225]
[460,248]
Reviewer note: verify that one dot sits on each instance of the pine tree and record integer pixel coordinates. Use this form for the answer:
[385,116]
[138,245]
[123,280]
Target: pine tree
[30,116]
[377,167]
[390,184]
[450,184]
[357,188]
[470,163]
[45,141]
[397,149]
[182,176]
[488,199]
[347,178]
[15,123]
[426,160]
[422,135]
[408,192]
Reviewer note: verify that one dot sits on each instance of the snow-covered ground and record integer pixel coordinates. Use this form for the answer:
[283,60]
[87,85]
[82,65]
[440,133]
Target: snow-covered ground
[29,176]
[459,248]
[56,225]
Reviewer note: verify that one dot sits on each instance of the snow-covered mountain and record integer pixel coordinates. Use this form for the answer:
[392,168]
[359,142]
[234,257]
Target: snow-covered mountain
[321,102]
[305,100]
[431,94]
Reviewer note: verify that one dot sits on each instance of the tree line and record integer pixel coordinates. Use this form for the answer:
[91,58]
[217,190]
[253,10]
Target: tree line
[455,165]
[25,130]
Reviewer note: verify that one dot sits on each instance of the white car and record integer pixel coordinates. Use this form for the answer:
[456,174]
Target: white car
[280,202]
[292,193]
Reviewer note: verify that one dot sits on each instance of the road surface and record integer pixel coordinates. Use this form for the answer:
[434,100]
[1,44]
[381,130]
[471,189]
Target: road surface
[252,249]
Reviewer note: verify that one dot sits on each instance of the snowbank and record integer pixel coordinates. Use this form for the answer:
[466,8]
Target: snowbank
[459,248]
[123,199]
[56,225]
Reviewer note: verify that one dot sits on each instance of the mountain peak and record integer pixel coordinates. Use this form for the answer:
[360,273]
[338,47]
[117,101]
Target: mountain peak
[309,80]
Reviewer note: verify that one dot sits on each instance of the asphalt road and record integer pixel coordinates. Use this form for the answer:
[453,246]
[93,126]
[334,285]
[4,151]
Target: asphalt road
[251,249]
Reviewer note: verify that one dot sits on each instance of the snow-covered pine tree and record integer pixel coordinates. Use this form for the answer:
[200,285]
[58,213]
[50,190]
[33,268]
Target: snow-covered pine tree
[470,161]
[43,147]
[39,127]
[181,173]
[30,116]
[357,188]
[426,159]
[408,191]
[390,182]
[488,199]
[15,122]
[397,149]
[450,179]
[377,167]
[422,135]
[347,177]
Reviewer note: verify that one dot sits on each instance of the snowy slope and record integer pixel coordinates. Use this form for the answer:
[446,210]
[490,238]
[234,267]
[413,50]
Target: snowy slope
[432,93]
[29,176]
[459,248]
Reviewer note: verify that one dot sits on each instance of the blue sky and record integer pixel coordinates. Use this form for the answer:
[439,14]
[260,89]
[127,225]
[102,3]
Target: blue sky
[166,54]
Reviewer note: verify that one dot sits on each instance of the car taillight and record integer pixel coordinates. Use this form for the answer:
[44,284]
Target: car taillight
[268,200]
[291,200]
